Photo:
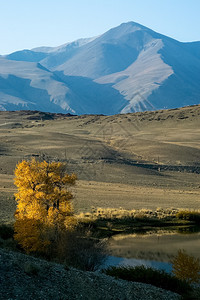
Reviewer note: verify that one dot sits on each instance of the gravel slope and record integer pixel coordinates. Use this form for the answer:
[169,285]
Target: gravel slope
[25,277]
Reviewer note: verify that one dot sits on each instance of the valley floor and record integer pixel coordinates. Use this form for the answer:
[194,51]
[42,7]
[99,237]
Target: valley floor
[134,161]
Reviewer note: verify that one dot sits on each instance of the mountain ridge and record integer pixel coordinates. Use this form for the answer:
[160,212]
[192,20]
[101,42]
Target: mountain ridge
[128,68]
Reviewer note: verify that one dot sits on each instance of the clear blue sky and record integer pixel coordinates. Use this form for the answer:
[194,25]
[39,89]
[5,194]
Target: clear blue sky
[25,24]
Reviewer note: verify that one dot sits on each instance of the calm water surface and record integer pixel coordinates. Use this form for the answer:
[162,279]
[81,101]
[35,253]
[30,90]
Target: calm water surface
[154,249]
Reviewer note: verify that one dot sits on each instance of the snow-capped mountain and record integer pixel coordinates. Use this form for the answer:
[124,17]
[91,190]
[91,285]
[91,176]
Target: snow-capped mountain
[129,68]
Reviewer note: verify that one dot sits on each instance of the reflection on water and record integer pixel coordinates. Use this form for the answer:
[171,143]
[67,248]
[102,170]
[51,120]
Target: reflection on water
[188,229]
[154,249]
[117,261]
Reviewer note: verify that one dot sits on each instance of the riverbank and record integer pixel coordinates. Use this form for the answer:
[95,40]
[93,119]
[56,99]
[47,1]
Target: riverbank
[107,222]
[26,277]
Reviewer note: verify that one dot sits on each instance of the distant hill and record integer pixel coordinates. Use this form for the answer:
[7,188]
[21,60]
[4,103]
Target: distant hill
[129,68]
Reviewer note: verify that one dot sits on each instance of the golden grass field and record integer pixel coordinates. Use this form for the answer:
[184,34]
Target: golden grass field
[142,160]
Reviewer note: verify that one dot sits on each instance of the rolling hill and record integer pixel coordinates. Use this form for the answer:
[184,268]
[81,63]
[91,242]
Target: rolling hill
[134,161]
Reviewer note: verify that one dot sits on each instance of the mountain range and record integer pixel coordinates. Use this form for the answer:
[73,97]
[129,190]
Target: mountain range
[127,69]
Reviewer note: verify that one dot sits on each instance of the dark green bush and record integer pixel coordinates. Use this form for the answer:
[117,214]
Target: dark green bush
[76,248]
[31,268]
[189,215]
[6,231]
[152,276]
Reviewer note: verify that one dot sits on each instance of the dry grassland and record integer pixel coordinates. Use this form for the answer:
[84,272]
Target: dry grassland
[134,161]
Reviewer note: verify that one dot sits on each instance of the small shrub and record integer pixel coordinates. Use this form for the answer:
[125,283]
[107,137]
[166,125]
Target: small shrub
[8,244]
[152,276]
[131,215]
[189,216]
[81,251]
[77,248]
[186,267]
[31,268]
[1,242]
[6,231]
[193,295]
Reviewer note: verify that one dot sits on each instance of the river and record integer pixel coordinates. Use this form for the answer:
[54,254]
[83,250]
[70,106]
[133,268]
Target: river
[154,249]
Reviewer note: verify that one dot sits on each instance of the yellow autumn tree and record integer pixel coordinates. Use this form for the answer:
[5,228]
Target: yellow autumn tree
[43,202]
[186,267]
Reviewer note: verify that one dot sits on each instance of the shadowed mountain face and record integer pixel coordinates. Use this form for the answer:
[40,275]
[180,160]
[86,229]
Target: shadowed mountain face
[30,86]
[129,68]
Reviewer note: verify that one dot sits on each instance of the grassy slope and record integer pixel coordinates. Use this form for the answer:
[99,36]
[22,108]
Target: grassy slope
[117,158]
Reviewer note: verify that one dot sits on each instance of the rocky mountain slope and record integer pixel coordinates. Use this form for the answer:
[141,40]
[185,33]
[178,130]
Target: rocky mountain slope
[129,68]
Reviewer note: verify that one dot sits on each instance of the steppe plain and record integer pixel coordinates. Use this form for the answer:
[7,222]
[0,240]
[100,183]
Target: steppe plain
[134,161]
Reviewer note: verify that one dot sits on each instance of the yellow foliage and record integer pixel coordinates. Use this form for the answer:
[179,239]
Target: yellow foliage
[70,223]
[186,267]
[30,234]
[42,198]
[41,186]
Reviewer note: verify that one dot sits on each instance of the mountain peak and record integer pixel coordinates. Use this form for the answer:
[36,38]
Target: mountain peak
[128,68]
[124,29]
[132,24]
